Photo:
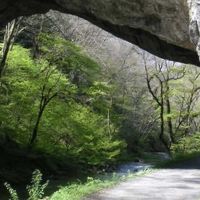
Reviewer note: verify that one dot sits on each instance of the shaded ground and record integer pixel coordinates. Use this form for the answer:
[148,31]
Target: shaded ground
[180,182]
[18,163]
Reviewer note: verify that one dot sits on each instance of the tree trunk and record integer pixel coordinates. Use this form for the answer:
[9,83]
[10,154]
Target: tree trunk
[7,43]
[35,129]
[162,122]
[169,119]
[4,58]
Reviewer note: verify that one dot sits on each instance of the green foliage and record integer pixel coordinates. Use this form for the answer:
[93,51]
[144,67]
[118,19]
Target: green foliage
[69,124]
[35,190]
[69,58]
[187,145]
[81,133]
[28,81]
[77,191]
[12,192]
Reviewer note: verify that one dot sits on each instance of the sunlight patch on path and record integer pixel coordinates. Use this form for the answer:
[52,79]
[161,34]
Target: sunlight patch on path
[167,184]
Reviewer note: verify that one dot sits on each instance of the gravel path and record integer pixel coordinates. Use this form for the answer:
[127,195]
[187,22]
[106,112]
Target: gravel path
[182,183]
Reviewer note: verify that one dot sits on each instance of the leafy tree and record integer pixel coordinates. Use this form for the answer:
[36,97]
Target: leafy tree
[43,109]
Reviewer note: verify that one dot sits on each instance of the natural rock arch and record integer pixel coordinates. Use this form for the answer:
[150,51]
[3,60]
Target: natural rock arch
[168,29]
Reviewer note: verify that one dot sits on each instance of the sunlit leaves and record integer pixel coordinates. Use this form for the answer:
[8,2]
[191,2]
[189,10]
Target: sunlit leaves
[68,126]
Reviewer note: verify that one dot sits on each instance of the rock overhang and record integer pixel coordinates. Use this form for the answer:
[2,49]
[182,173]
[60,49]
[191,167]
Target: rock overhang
[168,29]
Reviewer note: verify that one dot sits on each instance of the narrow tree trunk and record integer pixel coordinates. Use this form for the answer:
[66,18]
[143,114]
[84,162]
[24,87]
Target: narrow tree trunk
[162,122]
[108,118]
[162,129]
[7,43]
[43,103]
[169,119]
[3,60]
[35,129]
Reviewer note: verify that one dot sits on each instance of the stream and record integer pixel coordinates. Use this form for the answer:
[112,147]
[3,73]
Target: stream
[132,167]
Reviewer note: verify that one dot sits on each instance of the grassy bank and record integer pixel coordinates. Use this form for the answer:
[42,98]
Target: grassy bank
[79,190]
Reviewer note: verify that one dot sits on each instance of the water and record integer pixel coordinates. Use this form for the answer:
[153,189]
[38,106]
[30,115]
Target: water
[133,167]
[121,170]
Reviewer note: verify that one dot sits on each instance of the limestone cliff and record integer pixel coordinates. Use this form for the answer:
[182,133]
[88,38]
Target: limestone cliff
[167,28]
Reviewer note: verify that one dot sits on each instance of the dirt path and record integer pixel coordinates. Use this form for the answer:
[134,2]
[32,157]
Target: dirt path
[168,184]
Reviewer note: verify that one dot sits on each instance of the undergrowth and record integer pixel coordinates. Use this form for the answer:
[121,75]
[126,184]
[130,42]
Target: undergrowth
[79,190]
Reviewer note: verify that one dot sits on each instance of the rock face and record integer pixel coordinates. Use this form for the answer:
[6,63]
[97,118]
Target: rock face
[194,27]
[166,28]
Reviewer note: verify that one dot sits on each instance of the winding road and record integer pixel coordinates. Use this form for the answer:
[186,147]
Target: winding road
[179,183]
